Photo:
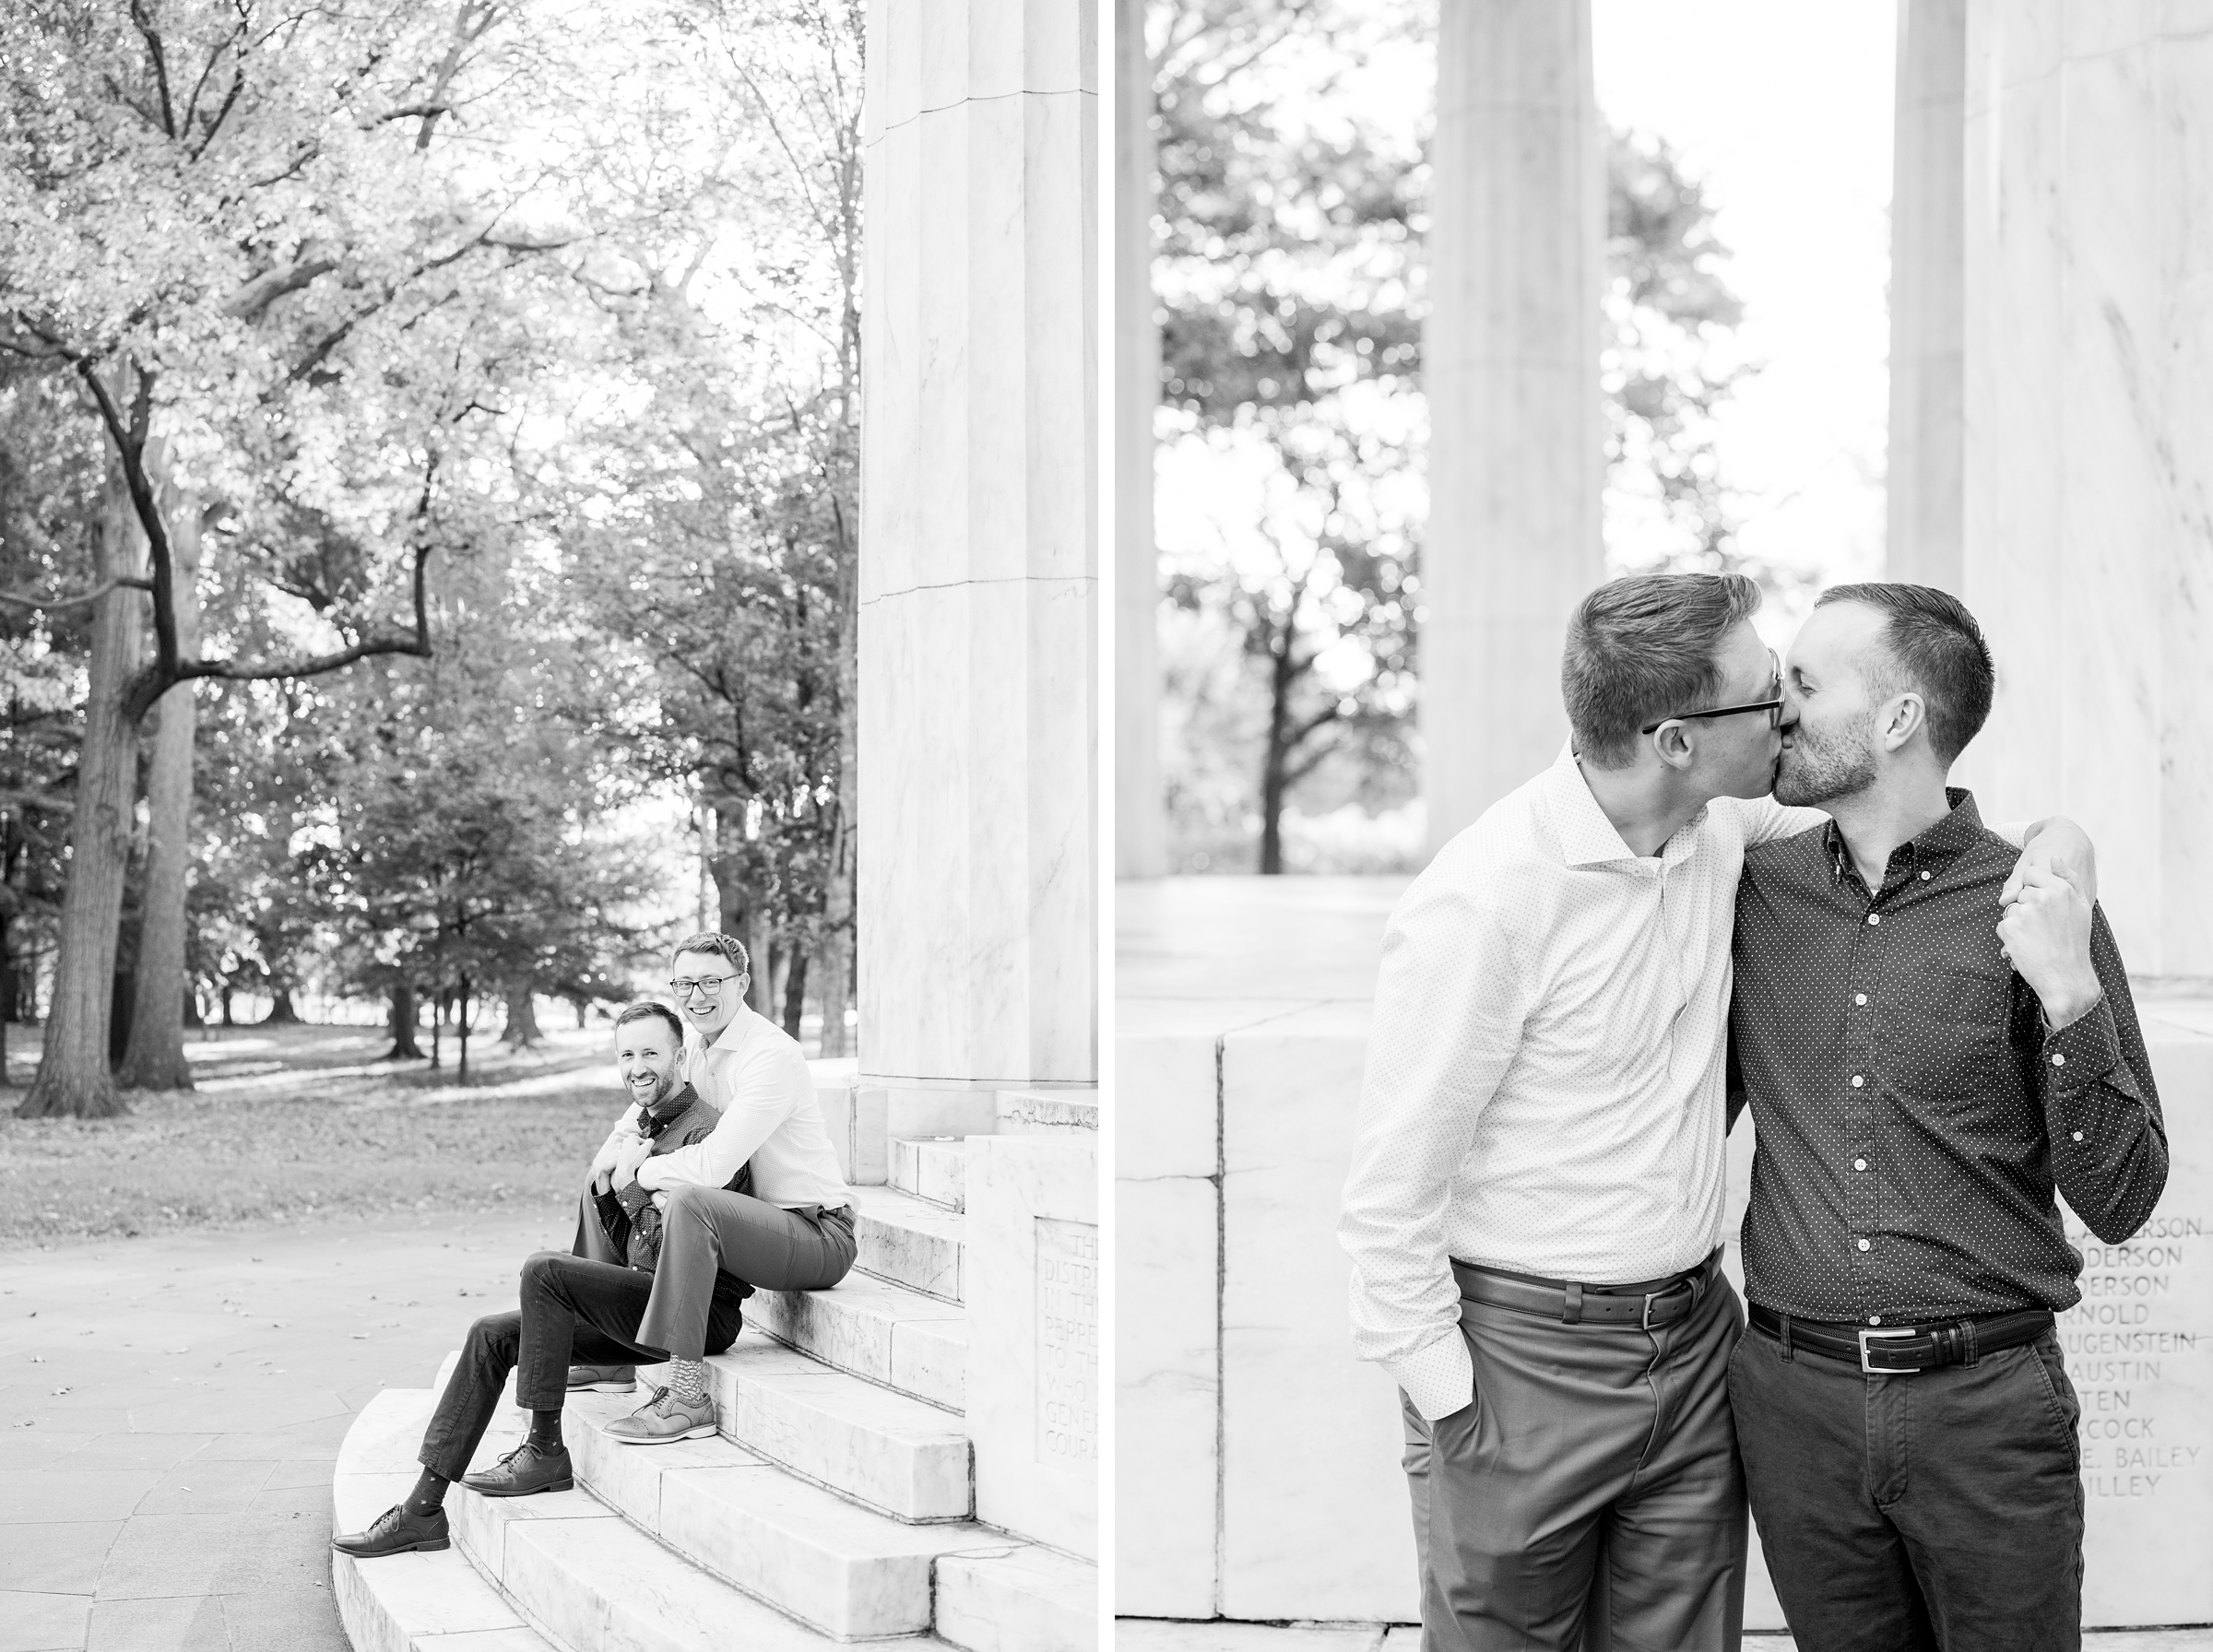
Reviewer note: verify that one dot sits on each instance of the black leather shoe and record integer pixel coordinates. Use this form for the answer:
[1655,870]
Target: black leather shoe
[396,1531]
[522,1472]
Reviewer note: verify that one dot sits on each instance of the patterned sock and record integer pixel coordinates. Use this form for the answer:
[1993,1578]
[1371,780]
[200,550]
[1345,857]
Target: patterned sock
[688,1380]
[545,1432]
[429,1492]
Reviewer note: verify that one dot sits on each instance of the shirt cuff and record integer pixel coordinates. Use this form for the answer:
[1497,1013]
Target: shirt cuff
[1439,1378]
[645,1170]
[634,1197]
[2082,1052]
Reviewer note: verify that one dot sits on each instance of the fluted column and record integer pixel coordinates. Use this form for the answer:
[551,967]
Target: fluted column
[1510,362]
[1927,287]
[1138,847]
[978,558]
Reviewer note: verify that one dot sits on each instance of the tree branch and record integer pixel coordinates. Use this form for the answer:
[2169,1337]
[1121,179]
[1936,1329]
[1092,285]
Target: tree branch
[257,295]
[12,798]
[152,37]
[54,605]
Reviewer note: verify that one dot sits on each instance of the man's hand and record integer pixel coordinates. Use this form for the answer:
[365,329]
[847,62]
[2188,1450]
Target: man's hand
[601,1174]
[2046,933]
[628,1157]
[2059,846]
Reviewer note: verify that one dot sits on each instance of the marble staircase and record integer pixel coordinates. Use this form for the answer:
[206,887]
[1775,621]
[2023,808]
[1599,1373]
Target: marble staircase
[835,1504]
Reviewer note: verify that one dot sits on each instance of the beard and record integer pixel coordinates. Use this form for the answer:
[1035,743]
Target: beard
[1828,766]
[663,1087]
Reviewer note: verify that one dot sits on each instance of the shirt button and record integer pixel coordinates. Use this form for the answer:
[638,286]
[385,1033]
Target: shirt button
[2059,1061]
[1859,1165]
[1857,1080]
[1859,997]
[1874,1319]
[1874,917]
[1863,1245]
[2078,1135]
[1924,877]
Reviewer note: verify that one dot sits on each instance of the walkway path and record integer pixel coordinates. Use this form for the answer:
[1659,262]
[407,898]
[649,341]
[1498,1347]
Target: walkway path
[170,1408]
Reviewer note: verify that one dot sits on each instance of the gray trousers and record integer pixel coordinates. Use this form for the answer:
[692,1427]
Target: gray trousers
[706,1231]
[1590,1497]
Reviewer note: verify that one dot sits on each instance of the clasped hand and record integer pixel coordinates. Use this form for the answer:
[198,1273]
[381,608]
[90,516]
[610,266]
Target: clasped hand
[2046,934]
[617,1164]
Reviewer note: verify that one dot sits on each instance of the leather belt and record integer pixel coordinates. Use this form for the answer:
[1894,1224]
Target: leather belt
[1647,1305]
[1902,1349]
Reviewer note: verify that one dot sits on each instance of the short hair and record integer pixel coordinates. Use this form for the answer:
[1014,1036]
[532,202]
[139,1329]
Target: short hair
[1642,648]
[1936,648]
[645,1009]
[728,947]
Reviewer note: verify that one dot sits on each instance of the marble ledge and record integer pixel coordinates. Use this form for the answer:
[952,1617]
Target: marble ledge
[875,136]
[921,56]
[1083,582]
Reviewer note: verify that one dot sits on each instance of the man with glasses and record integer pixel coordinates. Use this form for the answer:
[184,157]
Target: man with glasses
[1535,1204]
[793,1231]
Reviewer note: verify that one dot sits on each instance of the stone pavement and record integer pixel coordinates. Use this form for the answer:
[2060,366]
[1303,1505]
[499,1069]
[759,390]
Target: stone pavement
[170,1408]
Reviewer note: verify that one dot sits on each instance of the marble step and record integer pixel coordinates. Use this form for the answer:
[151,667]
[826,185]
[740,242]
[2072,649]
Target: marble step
[408,1602]
[846,1570]
[930,1167]
[1031,1599]
[908,1241]
[892,1452]
[874,1329]
[595,1583]
[1047,1112]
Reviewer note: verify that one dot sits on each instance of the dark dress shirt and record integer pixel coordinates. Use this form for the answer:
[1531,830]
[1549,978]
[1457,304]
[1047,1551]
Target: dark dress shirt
[628,1215]
[1913,1112]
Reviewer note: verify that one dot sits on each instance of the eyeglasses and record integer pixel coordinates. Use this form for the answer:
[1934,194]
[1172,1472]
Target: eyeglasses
[1773,707]
[684,986]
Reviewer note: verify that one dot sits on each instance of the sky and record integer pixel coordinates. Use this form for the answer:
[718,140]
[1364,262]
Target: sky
[1783,111]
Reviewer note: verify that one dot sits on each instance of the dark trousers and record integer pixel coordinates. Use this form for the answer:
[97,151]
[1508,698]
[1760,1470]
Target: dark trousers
[1590,1496]
[574,1308]
[1905,1514]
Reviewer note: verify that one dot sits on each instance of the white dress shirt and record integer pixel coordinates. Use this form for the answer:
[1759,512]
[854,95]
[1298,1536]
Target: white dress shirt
[1545,1087]
[756,1075]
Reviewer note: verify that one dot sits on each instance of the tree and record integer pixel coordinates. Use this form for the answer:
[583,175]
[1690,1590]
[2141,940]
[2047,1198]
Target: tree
[299,344]
[1290,276]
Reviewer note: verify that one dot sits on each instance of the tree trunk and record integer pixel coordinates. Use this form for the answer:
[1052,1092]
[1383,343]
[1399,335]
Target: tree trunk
[229,1018]
[795,991]
[521,1031]
[74,1077]
[1283,677]
[461,1025]
[404,1048]
[154,1058]
[282,1012]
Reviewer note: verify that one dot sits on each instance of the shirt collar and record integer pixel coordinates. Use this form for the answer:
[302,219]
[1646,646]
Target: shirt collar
[729,1038]
[1587,837]
[1960,828]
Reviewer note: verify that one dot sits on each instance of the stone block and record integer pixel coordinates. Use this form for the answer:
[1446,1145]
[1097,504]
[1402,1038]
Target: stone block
[837,1095]
[882,1332]
[929,1169]
[1167,1398]
[1045,1112]
[936,1109]
[1298,1410]
[887,1450]
[1033,1325]
[1023,1599]
[1154,1634]
[908,1241]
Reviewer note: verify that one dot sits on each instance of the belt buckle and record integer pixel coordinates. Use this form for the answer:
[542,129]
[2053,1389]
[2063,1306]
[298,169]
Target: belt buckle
[1645,1323]
[1870,1334]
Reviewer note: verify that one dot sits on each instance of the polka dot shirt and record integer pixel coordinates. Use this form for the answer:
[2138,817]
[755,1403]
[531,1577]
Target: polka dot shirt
[1914,1113]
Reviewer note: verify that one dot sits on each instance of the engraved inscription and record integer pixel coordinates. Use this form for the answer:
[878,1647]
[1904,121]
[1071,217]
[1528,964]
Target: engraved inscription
[2131,1364]
[1067,1343]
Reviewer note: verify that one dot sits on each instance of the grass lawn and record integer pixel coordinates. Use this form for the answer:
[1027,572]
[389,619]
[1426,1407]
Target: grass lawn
[290,1122]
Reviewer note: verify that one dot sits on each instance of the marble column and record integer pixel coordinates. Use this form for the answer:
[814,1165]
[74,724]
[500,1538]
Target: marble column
[1138,826]
[2087,526]
[1926,293]
[1511,359]
[977,903]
